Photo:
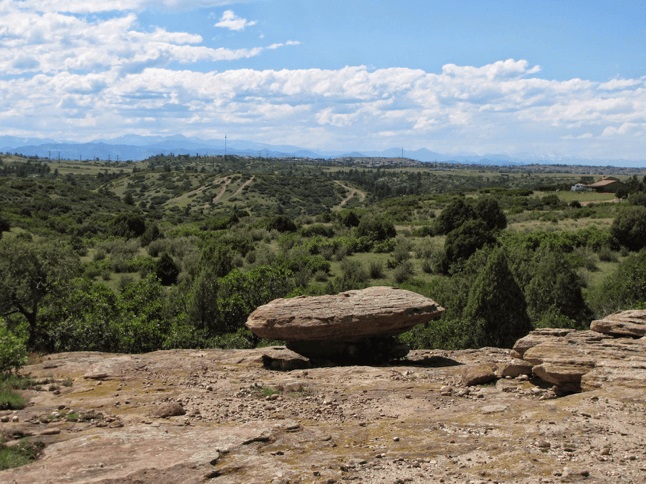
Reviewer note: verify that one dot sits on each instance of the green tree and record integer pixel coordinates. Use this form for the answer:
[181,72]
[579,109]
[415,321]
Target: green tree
[623,289]
[218,257]
[556,288]
[496,312]
[151,233]
[454,215]
[128,224]
[145,323]
[85,318]
[5,226]
[629,227]
[488,210]
[463,242]
[350,219]
[166,270]
[202,300]
[30,272]
[376,228]
[282,223]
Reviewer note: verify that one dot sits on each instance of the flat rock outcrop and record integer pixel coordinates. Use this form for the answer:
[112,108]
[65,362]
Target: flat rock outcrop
[577,361]
[413,421]
[346,317]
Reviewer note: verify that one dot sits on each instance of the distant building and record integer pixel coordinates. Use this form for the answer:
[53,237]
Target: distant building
[607,184]
[579,187]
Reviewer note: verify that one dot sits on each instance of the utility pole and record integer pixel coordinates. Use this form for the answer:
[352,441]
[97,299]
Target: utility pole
[225,148]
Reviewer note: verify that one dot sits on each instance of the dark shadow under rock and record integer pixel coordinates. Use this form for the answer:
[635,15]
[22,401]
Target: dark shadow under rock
[366,351]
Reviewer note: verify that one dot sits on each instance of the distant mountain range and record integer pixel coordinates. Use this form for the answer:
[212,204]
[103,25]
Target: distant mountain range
[136,148]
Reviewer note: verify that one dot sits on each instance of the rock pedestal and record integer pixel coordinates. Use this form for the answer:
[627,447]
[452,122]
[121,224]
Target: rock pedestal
[353,325]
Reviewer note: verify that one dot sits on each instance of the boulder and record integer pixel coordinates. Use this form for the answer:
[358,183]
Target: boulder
[349,316]
[169,410]
[625,323]
[513,368]
[478,374]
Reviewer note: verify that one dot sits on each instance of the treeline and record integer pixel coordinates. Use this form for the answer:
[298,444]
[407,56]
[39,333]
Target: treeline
[84,269]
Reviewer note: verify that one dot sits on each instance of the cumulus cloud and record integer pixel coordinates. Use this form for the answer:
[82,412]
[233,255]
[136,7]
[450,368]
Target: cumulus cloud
[50,42]
[231,21]
[73,75]
[100,6]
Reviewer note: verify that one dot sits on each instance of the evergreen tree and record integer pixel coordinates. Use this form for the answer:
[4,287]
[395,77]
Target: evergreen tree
[166,270]
[496,312]
[463,242]
[555,287]
[456,213]
[488,210]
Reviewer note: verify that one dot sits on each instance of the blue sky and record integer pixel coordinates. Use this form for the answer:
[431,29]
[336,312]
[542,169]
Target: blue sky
[535,78]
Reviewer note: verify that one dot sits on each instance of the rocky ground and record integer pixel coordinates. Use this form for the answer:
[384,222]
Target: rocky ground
[219,415]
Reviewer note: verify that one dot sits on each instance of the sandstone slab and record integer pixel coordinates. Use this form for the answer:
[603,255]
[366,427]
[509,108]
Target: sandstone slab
[328,424]
[626,323]
[348,316]
[584,360]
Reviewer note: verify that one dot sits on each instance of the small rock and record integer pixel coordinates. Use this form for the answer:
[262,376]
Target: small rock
[478,374]
[446,391]
[494,409]
[169,410]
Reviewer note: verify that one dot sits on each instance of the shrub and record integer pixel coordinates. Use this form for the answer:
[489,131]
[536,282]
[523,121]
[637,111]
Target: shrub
[623,289]
[5,226]
[317,229]
[629,228]
[376,229]
[281,223]
[22,454]
[13,350]
[128,224]
[350,219]
[376,270]
[638,198]
[152,233]
[403,271]
[606,254]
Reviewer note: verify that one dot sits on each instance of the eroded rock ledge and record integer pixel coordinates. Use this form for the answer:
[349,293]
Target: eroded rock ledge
[612,352]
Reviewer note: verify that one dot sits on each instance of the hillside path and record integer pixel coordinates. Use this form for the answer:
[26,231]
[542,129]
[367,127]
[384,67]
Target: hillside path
[352,193]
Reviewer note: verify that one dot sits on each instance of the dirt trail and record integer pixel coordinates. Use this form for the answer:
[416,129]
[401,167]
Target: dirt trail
[352,193]
[244,185]
[222,191]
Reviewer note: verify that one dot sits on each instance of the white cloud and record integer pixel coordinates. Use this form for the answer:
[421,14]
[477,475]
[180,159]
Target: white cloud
[73,75]
[231,21]
[102,6]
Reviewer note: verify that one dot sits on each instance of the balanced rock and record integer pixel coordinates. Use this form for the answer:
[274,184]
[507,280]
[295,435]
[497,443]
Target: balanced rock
[348,316]
[625,323]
